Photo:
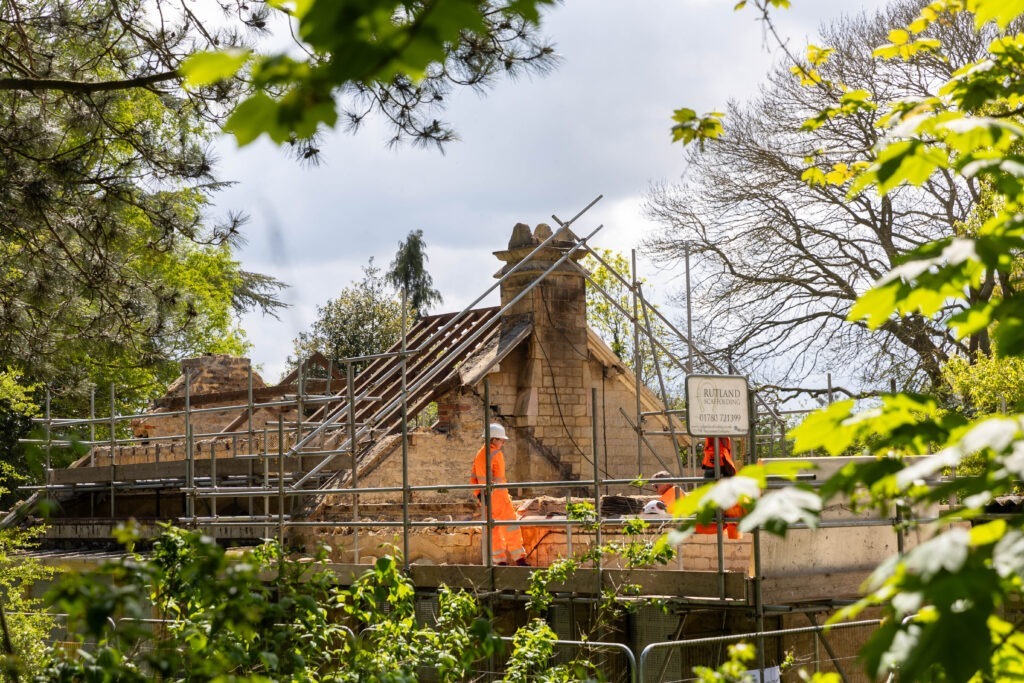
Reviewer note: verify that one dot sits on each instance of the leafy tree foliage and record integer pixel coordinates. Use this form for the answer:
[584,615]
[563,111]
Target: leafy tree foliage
[110,267]
[394,58]
[989,384]
[27,625]
[609,313]
[219,619]
[17,408]
[256,616]
[781,248]
[408,274]
[950,600]
[364,319]
[106,176]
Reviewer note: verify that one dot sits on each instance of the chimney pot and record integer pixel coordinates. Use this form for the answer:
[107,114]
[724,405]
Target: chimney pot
[521,236]
[542,232]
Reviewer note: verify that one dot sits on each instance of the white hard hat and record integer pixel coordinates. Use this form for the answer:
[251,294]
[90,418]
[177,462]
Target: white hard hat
[497,432]
[655,507]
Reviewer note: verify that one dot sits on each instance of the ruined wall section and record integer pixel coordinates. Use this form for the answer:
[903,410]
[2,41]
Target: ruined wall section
[544,545]
[441,459]
[208,374]
[160,432]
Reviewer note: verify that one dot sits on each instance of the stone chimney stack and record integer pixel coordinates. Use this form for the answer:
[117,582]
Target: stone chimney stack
[551,397]
[214,373]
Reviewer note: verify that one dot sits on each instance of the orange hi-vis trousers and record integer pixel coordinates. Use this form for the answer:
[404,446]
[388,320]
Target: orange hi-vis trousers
[731,529]
[506,539]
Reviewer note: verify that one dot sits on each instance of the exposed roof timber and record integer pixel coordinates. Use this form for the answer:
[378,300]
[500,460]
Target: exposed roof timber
[315,359]
[477,365]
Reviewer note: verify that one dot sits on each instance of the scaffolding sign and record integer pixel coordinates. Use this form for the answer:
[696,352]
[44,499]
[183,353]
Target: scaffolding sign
[717,405]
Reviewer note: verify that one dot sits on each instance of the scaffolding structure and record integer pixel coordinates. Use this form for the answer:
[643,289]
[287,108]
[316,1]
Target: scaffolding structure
[244,482]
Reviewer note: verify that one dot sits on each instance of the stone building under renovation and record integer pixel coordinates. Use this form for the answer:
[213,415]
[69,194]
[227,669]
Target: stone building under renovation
[329,456]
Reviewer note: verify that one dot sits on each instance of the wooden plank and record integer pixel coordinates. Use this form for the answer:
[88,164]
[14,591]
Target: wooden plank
[172,469]
[102,530]
[782,590]
[677,583]
[466,577]
[672,582]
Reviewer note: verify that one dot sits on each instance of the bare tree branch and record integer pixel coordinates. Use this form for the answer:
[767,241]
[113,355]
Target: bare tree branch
[779,260]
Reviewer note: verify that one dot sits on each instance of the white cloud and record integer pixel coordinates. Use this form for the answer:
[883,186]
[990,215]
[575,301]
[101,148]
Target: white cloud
[598,125]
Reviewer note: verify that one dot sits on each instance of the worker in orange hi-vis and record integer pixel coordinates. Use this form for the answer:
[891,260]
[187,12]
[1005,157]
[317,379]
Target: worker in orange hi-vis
[669,493]
[726,468]
[506,539]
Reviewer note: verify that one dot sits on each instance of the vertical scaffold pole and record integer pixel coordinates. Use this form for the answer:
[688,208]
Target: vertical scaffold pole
[758,599]
[300,408]
[488,528]
[265,459]
[597,486]
[251,449]
[405,439]
[92,420]
[190,472]
[350,395]
[92,445]
[718,523]
[689,347]
[326,410]
[113,446]
[758,588]
[49,435]
[636,370]
[280,483]
[213,482]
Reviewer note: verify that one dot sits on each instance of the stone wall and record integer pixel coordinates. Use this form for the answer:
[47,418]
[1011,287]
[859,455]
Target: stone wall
[165,450]
[617,440]
[208,375]
[444,459]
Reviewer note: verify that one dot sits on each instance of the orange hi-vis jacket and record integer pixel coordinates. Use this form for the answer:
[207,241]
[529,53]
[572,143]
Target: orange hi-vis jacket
[724,448]
[506,540]
[479,472]
[670,497]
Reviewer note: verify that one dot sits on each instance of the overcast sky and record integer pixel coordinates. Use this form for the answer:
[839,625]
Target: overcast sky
[598,125]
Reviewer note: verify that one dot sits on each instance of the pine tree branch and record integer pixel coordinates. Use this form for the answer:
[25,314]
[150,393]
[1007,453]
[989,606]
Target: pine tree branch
[84,87]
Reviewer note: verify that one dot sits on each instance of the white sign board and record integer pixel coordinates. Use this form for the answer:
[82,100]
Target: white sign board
[717,405]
